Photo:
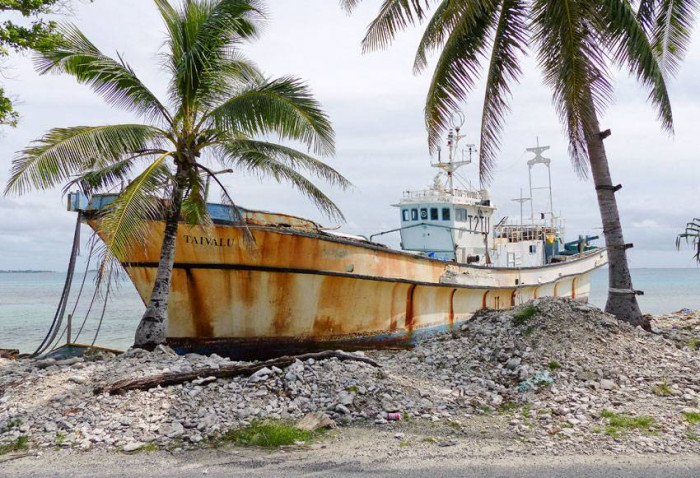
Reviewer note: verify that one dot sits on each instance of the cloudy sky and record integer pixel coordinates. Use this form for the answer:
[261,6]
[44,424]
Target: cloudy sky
[376,106]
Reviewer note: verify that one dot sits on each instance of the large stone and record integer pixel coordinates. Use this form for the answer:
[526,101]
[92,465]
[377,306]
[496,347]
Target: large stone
[171,430]
[133,446]
[315,420]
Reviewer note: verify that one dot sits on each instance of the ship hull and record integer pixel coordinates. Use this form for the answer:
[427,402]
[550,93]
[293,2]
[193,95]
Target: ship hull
[298,289]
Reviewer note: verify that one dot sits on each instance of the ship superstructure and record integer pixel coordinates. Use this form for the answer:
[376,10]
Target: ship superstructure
[459,224]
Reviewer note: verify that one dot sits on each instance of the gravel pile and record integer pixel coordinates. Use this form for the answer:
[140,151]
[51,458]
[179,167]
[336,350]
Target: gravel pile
[557,374]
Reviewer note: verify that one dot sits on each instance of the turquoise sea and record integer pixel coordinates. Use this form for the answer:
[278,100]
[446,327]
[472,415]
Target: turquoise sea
[28,302]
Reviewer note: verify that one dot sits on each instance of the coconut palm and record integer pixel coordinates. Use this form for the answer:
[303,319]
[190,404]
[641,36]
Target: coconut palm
[691,235]
[576,43]
[220,108]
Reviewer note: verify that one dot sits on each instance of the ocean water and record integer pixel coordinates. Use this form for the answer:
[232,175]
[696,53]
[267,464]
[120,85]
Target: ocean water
[28,302]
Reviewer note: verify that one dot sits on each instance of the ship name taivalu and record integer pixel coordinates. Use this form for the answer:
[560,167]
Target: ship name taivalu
[209,241]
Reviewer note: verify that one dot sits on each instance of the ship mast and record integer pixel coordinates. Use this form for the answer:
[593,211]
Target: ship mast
[453,138]
[539,159]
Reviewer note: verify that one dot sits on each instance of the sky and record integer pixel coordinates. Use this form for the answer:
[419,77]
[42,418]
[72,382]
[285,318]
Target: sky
[376,105]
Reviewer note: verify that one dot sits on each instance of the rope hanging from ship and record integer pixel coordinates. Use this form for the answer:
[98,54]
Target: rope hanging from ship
[52,340]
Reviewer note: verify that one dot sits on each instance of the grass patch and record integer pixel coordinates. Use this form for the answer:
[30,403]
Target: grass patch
[692,418]
[693,343]
[529,330]
[21,443]
[506,407]
[60,438]
[525,314]
[266,434]
[662,389]
[404,443]
[525,412]
[150,447]
[353,389]
[692,436]
[454,425]
[553,365]
[620,422]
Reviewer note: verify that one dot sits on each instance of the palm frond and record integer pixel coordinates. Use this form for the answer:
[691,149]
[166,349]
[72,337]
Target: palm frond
[63,152]
[671,35]
[631,47]
[96,180]
[393,16]
[458,67]
[283,106]
[236,214]
[510,41]
[573,63]
[114,80]
[125,222]
[285,155]
[349,5]
[259,163]
[204,41]
[441,24]
[194,205]
[646,11]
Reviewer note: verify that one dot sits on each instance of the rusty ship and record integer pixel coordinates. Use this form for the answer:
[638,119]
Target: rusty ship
[303,287]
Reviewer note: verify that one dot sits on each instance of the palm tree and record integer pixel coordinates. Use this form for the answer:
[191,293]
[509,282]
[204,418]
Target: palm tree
[691,235]
[576,43]
[220,108]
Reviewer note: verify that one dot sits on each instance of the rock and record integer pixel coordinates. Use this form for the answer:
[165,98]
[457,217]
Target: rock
[260,375]
[77,379]
[45,363]
[171,430]
[342,409]
[606,384]
[203,380]
[447,443]
[346,398]
[133,446]
[165,350]
[513,363]
[315,420]
[389,405]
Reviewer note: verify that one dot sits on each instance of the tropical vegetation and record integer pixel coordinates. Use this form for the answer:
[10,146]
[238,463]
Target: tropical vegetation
[220,109]
[691,235]
[37,34]
[577,44]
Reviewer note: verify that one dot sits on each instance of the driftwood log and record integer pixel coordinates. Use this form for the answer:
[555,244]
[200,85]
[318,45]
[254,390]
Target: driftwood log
[168,379]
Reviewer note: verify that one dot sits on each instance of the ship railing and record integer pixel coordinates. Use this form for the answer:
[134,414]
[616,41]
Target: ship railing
[517,233]
[433,195]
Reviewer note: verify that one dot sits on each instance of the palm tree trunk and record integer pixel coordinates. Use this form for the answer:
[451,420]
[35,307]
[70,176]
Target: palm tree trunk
[622,301]
[152,329]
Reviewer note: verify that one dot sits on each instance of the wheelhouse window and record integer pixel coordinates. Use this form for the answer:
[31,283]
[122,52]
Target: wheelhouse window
[424,214]
[414,214]
[533,249]
[446,214]
[434,214]
[461,215]
[405,215]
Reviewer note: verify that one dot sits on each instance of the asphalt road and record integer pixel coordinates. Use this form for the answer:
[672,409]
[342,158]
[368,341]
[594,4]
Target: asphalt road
[223,463]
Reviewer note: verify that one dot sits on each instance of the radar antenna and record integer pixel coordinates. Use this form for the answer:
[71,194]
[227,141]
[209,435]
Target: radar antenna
[453,137]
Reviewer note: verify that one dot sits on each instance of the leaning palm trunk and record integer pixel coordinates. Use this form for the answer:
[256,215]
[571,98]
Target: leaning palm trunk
[152,329]
[622,301]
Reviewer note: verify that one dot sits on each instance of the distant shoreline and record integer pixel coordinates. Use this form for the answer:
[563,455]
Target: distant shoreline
[26,272]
